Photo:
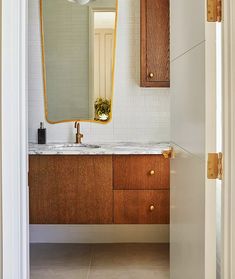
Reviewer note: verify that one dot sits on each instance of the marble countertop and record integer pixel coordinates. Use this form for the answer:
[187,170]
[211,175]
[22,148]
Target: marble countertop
[118,148]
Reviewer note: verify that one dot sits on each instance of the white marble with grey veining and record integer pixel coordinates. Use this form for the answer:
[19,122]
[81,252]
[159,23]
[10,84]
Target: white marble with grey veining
[118,148]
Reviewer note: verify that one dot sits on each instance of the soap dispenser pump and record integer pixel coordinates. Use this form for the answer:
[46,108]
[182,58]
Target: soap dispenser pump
[42,134]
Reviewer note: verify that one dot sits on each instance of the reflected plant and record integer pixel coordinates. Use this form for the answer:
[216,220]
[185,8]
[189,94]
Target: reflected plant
[102,109]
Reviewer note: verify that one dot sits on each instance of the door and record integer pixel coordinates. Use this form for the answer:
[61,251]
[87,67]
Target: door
[103,63]
[193,128]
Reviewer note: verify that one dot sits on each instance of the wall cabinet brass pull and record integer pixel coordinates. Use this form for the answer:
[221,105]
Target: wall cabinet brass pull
[152,172]
[151,75]
[152,207]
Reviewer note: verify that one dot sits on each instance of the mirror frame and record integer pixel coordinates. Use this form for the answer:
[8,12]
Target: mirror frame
[44,73]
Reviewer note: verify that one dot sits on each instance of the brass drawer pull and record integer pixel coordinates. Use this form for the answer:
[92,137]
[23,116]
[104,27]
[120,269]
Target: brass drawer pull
[151,75]
[152,208]
[152,172]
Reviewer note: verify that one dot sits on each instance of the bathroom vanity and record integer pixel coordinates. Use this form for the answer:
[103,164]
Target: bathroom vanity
[106,184]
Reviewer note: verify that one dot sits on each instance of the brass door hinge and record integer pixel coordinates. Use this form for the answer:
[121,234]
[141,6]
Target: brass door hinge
[214,10]
[169,153]
[215,166]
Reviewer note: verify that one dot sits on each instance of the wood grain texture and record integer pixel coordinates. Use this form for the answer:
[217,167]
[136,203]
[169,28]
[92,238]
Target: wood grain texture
[155,43]
[132,172]
[70,189]
[133,207]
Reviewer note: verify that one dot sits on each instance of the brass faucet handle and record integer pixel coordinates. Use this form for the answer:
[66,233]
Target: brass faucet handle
[76,124]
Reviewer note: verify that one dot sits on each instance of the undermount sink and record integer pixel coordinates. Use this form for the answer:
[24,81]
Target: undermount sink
[73,146]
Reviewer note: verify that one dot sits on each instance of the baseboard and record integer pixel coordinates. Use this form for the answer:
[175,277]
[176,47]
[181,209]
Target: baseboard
[99,233]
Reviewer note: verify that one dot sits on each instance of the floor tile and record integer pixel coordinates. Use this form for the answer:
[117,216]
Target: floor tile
[127,255]
[59,273]
[60,255]
[150,273]
[99,261]
[109,273]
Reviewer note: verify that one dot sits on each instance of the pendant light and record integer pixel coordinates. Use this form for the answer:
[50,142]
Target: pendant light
[81,2]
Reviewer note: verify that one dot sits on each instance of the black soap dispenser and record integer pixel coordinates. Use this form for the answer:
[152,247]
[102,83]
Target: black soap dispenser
[42,134]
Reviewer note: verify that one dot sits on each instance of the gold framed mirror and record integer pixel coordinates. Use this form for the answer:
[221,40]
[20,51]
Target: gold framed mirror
[78,57]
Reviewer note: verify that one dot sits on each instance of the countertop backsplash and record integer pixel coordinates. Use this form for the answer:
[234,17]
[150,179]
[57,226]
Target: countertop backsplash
[139,114]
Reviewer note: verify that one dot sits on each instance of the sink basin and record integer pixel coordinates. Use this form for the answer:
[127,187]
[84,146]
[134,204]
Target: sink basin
[73,146]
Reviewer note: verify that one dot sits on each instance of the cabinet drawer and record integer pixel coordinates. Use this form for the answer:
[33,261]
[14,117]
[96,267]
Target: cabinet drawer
[141,207]
[141,172]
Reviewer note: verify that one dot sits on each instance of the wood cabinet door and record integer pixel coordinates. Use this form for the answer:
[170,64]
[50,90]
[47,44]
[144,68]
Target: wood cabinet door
[141,207]
[141,172]
[70,189]
[155,43]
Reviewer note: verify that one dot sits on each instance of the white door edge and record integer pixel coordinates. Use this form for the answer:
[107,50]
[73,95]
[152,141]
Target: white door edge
[228,207]
[210,133]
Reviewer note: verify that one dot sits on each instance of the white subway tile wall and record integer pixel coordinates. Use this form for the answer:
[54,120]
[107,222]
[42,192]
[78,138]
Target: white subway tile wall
[139,114]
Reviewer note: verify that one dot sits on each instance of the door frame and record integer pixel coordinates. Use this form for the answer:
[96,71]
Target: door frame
[92,11]
[14,169]
[14,218]
[228,199]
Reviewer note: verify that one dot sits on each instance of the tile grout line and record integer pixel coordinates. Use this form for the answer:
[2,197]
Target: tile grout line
[89,268]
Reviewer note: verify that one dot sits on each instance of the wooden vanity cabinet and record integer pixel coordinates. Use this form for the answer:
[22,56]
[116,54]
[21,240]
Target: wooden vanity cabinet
[118,189]
[155,43]
[70,189]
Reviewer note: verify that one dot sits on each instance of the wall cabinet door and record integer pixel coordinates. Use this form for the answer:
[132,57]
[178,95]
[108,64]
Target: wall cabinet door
[155,43]
[71,189]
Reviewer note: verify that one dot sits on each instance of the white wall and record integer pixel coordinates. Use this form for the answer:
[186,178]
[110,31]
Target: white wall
[139,114]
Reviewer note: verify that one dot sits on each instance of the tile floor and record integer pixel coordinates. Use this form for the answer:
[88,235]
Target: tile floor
[99,261]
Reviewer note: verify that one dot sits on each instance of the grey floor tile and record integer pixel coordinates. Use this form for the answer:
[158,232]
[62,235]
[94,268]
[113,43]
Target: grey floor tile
[148,255]
[99,261]
[67,255]
[129,273]
[130,255]
[109,273]
[59,273]
[109,255]
[150,273]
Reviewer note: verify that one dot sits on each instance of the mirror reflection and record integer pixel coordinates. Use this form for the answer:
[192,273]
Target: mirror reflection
[78,47]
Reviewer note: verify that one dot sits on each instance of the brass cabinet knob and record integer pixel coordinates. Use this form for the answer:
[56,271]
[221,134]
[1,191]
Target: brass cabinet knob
[151,75]
[152,207]
[152,172]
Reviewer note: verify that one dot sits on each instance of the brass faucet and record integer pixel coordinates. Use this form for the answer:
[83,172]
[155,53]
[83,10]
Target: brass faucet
[79,136]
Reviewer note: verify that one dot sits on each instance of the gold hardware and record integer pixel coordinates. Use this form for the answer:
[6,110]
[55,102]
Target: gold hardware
[152,207]
[151,75]
[79,136]
[215,166]
[214,10]
[152,172]
[168,153]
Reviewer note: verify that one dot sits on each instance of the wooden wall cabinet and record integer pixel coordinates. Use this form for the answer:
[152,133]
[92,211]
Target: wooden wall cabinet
[103,189]
[155,43]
